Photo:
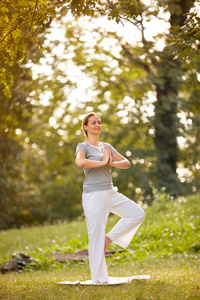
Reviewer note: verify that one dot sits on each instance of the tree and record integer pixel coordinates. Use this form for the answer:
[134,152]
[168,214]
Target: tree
[18,23]
[123,83]
[165,77]
[187,37]
[48,182]
[14,116]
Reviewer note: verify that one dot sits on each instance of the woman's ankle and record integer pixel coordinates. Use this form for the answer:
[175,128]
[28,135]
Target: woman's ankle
[108,241]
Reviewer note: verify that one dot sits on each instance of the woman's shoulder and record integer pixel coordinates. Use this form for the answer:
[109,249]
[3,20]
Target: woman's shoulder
[82,144]
[106,144]
[81,147]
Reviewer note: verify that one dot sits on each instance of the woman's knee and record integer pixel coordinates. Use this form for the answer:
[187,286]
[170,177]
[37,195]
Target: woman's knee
[142,214]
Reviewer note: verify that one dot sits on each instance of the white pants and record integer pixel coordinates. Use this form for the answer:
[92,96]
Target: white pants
[97,207]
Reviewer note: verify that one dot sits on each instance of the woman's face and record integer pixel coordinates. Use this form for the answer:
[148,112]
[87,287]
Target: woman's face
[94,125]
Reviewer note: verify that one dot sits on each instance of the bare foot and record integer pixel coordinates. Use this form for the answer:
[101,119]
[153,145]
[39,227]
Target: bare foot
[105,282]
[107,243]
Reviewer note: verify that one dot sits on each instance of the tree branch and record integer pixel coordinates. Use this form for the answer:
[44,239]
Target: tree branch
[10,31]
[135,61]
[141,23]
[36,4]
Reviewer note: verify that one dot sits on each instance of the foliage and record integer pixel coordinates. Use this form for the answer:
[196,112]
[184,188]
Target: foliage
[131,82]
[40,123]
[187,37]
[17,25]
[14,117]
[22,153]
[20,24]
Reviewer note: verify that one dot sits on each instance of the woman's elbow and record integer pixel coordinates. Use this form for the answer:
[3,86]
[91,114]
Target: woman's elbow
[79,164]
[128,164]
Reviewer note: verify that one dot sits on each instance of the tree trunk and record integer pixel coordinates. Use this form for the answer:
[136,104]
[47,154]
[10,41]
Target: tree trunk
[166,120]
[166,126]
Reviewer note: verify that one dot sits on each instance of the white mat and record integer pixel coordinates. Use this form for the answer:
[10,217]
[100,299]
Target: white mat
[111,280]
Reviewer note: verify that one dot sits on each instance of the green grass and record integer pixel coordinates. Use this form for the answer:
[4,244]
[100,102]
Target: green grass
[34,238]
[170,279]
[166,247]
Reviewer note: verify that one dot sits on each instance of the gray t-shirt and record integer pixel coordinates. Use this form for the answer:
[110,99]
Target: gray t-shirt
[96,179]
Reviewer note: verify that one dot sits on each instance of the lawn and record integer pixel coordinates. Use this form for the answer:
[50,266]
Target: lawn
[170,279]
[166,247]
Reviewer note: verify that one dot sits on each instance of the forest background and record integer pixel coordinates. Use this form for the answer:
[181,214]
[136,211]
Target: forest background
[146,89]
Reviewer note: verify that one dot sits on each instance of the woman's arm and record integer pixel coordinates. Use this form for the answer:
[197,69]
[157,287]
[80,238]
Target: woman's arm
[119,161]
[85,163]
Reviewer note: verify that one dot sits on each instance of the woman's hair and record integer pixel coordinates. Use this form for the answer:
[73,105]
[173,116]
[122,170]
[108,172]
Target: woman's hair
[85,121]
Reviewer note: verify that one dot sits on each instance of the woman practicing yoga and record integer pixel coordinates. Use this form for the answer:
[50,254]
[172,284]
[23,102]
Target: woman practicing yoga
[100,198]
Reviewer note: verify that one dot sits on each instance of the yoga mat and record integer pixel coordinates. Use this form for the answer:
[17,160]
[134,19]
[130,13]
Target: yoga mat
[111,280]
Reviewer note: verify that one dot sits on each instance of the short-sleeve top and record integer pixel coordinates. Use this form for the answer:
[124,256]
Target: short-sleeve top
[96,179]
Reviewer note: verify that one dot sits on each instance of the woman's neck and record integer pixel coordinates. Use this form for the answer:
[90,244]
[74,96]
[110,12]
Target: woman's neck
[93,141]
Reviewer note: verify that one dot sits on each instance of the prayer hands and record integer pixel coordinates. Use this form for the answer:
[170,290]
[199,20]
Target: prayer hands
[110,162]
[106,155]
[107,158]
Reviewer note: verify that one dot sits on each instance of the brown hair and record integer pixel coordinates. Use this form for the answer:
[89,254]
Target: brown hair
[85,121]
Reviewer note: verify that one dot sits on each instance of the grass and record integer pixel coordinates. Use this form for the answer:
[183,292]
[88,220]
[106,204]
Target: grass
[170,279]
[166,247]
[41,237]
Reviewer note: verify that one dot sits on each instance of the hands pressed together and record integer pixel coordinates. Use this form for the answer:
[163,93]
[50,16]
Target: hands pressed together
[117,160]
[107,158]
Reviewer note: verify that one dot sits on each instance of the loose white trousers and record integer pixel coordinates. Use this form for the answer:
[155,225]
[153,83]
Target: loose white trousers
[97,207]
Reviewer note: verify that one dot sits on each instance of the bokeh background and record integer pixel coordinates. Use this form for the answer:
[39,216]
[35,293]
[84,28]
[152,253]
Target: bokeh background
[134,63]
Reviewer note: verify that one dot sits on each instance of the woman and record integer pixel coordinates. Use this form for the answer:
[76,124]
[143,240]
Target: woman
[100,198]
